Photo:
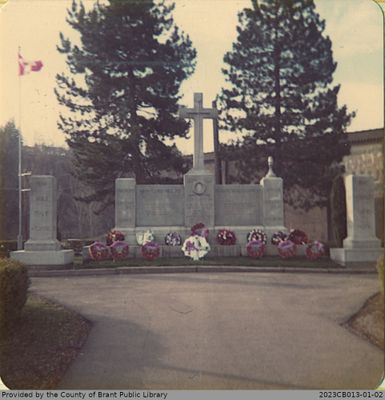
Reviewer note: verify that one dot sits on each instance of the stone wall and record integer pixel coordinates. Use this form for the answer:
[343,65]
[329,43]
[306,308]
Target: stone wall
[159,205]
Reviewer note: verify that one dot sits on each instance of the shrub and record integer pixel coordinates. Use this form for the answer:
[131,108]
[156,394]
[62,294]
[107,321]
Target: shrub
[380,270]
[14,284]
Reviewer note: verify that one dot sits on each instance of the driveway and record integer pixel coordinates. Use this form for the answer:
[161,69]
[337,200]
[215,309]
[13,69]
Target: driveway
[219,331]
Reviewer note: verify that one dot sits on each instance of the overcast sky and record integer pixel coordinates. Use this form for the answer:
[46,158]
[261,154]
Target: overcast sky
[354,26]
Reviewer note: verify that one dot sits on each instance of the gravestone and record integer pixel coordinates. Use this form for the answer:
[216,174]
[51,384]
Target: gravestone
[361,244]
[176,208]
[43,248]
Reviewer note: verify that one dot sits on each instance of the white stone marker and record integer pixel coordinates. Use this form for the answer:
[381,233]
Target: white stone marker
[43,248]
[198,113]
[361,244]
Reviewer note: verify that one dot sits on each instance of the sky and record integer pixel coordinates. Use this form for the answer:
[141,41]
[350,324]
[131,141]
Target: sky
[354,26]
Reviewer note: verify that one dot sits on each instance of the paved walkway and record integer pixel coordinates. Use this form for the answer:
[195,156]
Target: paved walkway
[219,331]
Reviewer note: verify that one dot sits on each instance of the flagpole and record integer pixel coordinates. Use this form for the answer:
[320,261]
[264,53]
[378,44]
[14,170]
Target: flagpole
[20,235]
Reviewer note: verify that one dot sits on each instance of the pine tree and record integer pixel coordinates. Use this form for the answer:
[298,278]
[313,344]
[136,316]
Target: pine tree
[121,100]
[9,145]
[281,97]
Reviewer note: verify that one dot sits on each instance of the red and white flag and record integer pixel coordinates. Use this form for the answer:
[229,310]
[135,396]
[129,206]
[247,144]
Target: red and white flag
[25,67]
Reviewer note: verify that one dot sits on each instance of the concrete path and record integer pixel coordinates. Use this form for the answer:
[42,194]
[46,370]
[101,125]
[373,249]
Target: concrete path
[219,331]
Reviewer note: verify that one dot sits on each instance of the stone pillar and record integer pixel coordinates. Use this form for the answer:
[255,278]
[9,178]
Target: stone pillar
[361,245]
[273,216]
[43,248]
[43,214]
[199,199]
[125,207]
[360,214]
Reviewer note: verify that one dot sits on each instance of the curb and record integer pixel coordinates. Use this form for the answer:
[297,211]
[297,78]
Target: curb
[190,269]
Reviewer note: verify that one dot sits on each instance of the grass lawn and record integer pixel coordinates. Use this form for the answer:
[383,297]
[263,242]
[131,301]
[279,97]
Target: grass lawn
[299,262]
[42,345]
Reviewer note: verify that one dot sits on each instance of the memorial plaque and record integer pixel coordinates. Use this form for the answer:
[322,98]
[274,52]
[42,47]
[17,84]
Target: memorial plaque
[125,203]
[160,205]
[237,205]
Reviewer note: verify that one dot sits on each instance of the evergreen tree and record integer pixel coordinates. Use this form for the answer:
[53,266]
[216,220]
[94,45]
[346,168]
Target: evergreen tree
[9,156]
[281,97]
[123,93]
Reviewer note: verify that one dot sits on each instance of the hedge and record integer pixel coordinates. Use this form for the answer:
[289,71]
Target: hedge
[14,284]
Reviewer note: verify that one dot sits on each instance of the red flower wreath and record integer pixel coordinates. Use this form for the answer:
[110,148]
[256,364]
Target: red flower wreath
[200,229]
[226,237]
[287,249]
[315,250]
[114,236]
[99,251]
[297,236]
[119,250]
[255,248]
[151,250]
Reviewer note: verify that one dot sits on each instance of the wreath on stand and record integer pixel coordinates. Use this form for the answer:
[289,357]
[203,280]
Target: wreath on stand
[226,237]
[195,247]
[278,237]
[114,236]
[99,251]
[173,239]
[119,250]
[151,250]
[287,249]
[257,234]
[315,250]
[144,237]
[298,237]
[200,230]
[255,248]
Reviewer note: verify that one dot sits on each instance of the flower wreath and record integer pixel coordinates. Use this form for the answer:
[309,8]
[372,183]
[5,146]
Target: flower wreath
[278,237]
[173,239]
[257,234]
[114,236]
[151,250]
[99,251]
[195,247]
[315,250]
[144,237]
[255,248]
[226,237]
[200,229]
[119,250]
[287,249]
[297,236]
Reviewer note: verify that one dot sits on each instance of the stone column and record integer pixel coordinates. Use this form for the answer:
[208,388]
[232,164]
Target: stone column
[43,248]
[125,207]
[360,214]
[199,199]
[43,214]
[361,245]
[273,216]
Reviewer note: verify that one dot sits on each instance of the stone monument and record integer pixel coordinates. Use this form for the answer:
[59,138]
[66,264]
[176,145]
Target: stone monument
[175,208]
[361,245]
[43,248]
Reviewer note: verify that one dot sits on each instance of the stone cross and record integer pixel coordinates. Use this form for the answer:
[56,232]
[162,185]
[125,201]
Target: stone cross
[198,113]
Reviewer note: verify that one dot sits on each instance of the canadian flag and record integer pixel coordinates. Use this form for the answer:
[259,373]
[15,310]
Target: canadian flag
[25,67]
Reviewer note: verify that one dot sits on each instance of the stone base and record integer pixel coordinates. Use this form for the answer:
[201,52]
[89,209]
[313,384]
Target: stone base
[44,257]
[356,256]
